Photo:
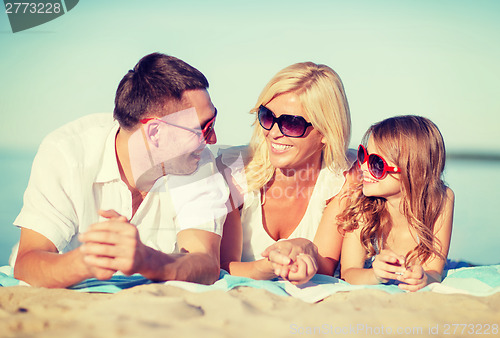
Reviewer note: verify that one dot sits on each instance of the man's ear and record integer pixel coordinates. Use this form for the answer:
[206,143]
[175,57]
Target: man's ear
[153,133]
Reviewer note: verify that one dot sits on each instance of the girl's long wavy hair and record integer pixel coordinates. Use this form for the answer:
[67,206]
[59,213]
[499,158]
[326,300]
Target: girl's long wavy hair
[323,99]
[415,145]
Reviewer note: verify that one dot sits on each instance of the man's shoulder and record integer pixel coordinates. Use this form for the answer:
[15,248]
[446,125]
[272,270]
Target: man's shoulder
[234,154]
[76,140]
[89,124]
[90,128]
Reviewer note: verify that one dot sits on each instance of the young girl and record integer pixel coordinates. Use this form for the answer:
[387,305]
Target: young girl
[398,220]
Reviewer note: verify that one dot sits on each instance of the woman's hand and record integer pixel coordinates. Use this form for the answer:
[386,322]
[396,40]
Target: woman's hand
[294,259]
[290,248]
[413,279]
[303,269]
[388,265]
[297,272]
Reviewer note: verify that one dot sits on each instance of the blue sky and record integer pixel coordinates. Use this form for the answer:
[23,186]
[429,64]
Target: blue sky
[439,59]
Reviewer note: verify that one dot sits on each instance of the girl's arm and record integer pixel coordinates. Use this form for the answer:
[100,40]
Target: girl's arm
[419,276]
[387,264]
[352,260]
[353,254]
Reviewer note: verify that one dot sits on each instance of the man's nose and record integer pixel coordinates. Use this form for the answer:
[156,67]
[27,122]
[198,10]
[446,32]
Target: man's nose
[212,138]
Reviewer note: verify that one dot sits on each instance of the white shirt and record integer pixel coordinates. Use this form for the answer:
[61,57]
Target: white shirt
[75,173]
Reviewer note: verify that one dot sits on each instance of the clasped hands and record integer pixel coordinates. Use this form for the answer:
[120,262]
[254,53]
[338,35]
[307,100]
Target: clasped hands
[293,259]
[388,265]
[112,245]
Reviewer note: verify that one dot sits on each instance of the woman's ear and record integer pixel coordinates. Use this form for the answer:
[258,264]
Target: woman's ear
[153,133]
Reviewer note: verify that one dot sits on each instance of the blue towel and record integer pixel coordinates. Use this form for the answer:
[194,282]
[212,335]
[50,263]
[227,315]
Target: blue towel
[115,284]
[478,281]
[120,282]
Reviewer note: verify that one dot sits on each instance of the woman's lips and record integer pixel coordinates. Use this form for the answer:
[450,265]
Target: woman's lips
[280,148]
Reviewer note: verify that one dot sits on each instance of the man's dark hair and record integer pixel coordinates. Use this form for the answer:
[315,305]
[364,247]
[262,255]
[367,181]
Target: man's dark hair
[155,79]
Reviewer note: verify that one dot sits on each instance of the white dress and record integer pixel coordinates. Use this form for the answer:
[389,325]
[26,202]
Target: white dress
[255,237]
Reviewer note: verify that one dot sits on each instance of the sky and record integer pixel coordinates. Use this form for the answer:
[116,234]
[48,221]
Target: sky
[439,59]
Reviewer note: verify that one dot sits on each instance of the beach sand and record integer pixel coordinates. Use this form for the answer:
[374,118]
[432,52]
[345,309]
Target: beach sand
[166,311]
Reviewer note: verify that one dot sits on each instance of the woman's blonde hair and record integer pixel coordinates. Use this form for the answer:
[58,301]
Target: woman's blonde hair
[323,99]
[414,144]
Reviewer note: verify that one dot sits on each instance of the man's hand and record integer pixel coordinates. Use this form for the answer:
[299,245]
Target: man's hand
[112,245]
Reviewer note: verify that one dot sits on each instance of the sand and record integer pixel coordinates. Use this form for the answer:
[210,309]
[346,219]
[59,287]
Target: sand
[166,311]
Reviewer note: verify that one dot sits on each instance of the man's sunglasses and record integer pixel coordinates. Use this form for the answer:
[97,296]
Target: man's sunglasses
[202,134]
[376,164]
[289,125]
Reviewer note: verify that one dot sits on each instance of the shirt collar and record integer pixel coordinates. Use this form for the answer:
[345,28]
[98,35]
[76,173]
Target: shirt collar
[109,170]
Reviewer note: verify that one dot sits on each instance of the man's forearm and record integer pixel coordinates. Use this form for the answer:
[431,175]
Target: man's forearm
[190,267]
[51,270]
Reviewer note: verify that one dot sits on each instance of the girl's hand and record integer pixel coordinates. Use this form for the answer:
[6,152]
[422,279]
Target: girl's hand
[414,278]
[305,269]
[388,265]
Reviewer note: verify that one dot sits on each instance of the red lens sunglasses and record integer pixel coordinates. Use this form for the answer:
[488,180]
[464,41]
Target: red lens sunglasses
[377,166]
[202,134]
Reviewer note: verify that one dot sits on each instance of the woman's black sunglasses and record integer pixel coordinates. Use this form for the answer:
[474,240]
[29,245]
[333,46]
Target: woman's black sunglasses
[289,125]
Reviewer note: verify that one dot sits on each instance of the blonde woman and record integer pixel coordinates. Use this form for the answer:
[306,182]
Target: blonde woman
[292,171]
[398,226]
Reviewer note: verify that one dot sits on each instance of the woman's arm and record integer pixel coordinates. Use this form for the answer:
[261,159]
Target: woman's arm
[260,269]
[232,240]
[231,250]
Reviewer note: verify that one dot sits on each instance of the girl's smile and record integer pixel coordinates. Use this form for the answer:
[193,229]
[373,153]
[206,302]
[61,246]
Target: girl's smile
[389,187]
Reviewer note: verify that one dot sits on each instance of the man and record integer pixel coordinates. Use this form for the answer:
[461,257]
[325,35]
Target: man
[103,195]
